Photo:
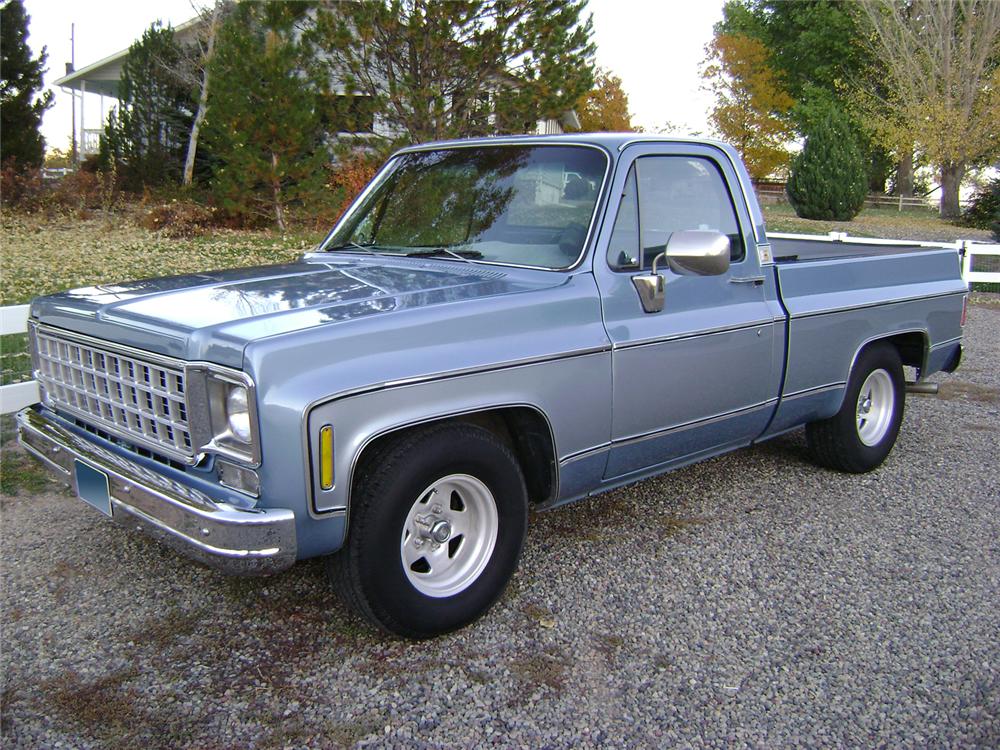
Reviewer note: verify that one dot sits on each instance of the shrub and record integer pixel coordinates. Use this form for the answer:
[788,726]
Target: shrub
[178,219]
[21,188]
[829,178]
[350,178]
[984,209]
[28,191]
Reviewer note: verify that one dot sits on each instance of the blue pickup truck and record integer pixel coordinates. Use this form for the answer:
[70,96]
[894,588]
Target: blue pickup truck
[494,325]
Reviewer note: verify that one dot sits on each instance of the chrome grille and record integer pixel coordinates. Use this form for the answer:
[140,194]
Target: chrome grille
[136,398]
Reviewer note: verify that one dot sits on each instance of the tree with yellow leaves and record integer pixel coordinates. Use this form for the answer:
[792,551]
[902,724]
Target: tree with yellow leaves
[752,107]
[605,107]
[943,92]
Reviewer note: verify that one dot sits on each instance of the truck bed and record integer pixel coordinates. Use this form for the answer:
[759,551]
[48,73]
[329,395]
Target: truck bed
[790,250]
[840,295]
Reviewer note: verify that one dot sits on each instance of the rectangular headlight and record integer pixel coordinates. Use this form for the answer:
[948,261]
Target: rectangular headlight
[224,413]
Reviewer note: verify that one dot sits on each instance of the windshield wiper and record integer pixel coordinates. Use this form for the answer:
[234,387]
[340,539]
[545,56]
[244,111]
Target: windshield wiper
[349,245]
[466,256]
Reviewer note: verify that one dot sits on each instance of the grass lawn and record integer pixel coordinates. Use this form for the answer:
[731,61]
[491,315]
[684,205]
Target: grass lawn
[42,255]
[887,222]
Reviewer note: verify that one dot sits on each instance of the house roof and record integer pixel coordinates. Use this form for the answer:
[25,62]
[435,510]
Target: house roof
[102,76]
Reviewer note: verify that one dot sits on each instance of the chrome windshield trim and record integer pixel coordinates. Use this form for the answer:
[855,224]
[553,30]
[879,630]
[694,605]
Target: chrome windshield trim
[389,166]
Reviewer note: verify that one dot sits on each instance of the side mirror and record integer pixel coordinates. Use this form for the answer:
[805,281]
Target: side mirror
[698,252]
[693,252]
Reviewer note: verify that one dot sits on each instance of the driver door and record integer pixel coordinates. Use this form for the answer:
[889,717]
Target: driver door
[702,375]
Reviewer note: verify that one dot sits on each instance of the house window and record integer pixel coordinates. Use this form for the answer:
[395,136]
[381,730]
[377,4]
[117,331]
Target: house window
[348,113]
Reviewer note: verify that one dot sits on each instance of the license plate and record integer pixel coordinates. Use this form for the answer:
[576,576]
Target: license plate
[92,486]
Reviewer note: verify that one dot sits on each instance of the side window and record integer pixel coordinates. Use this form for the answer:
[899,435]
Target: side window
[674,193]
[623,249]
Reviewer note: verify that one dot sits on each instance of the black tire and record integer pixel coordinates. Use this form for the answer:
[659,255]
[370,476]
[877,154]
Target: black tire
[369,573]
[838,442]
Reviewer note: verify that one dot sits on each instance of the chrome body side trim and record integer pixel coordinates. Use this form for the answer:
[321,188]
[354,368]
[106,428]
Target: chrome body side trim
[694,423]
[881,336]
[812,391]
[949,342]
[580,455]
[695,334]
[901,300]
[233,540]
[488,368]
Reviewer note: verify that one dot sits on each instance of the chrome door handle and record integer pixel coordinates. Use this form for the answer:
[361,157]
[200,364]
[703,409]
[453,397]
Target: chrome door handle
[747,280]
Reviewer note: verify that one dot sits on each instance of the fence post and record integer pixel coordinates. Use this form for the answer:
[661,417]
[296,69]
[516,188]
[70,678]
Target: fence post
[966,258]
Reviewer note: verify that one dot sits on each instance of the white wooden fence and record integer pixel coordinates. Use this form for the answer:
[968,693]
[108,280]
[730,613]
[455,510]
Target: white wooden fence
[17,395]
[975,249]
[15,319]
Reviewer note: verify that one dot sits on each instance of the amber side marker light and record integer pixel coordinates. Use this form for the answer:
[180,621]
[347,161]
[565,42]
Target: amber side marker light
[326,457]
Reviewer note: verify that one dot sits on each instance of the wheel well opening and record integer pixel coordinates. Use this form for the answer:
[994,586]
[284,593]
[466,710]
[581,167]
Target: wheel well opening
[522,429]
[912,348]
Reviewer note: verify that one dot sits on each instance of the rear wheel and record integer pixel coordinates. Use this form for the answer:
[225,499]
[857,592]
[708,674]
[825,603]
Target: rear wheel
[437,522]
[859,436]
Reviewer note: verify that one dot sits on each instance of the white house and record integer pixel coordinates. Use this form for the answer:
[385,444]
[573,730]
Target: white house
[96,86]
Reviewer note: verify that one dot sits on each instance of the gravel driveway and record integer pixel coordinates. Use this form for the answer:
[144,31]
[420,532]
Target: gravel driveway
[752,600]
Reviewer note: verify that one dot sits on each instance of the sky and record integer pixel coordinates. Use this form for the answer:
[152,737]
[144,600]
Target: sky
[655,46]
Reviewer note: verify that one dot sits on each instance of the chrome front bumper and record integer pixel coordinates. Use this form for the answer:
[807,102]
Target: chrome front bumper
[230,539]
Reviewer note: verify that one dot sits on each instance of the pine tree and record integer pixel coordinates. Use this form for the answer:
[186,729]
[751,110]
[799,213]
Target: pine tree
[20,78]
[147,132]
[262,126]
[828,179]
[434,70]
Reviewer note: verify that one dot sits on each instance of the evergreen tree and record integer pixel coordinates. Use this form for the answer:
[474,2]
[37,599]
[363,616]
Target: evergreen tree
[828,179]
[262,125]
[148,131]
[20,79]
[437,70]
[983,211]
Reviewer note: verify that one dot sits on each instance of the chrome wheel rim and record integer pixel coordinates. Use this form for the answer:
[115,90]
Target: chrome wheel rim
[876,402]
[449,535]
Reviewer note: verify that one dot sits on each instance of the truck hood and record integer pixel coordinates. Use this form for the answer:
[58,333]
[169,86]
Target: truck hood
[212,316]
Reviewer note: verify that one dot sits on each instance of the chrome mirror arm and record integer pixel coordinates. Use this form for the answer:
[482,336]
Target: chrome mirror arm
[651,287]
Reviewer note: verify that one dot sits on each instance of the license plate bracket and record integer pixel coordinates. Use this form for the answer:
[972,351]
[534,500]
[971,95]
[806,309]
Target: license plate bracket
[92,486]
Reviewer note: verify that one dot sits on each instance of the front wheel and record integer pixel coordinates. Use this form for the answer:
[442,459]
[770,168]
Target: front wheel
[859,436]
[437,522]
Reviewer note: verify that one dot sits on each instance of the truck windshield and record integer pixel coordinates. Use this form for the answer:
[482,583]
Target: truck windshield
[519,205]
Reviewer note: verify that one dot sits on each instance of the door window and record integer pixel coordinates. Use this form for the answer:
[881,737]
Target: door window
[667,194]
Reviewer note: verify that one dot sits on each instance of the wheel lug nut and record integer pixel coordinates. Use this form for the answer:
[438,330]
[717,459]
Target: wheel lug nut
[436,509]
